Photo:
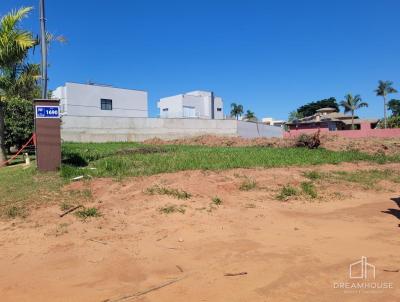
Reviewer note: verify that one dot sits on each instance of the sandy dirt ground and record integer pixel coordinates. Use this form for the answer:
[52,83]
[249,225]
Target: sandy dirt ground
[387,146]
[295,250]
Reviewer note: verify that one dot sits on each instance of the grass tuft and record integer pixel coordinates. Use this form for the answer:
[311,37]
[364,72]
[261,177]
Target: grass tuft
[217,201]
[287,192]
[172,208]
[312,175]
[87,213]
[309,189]
[248,184]
[179,194]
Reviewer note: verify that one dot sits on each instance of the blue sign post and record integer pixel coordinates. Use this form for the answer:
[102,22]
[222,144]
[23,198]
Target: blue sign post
[47,111]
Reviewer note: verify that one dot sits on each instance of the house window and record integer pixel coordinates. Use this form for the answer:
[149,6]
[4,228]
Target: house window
[165,109]
[219,109]
[106,104]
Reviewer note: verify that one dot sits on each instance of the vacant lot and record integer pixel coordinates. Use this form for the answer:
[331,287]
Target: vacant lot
[225,228]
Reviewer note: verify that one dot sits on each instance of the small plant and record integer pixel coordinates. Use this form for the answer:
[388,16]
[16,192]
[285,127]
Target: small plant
[311,141]
[88,212]
[179,194]
[248,185]
[286,192]
[217,201]
[312,175]
[172,208]
[14,212]
[309,189]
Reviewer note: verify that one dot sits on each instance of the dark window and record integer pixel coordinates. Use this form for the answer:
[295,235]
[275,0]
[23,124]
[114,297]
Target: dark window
[165,109]
[106,104]
[219,109]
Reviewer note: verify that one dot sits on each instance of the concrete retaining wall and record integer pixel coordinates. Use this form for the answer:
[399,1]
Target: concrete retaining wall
[111,129]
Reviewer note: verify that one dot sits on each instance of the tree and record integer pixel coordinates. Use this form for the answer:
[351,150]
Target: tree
[294,115]
[250,116]
[385,88]
[351,104]
[14,46]
[312,107]
[236,110]
[394,106]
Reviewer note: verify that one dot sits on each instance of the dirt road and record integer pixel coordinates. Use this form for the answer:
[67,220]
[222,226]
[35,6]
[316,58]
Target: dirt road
[295,250]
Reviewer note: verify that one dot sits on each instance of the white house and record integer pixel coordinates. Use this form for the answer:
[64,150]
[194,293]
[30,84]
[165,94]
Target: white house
[270,121]
[194,104]
[90,100]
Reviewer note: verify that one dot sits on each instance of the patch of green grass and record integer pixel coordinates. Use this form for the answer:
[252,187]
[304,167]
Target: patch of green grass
[286,192]
[172,208]
[248,184]
[217,201]
[313,175]
[179,194]
[110,159]
[88,212]
[309,189]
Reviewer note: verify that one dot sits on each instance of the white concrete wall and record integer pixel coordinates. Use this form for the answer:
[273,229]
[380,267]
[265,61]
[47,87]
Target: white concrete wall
[105,129]
[85,100]
[252,130]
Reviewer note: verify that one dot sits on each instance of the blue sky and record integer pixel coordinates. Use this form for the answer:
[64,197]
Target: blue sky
[270,56]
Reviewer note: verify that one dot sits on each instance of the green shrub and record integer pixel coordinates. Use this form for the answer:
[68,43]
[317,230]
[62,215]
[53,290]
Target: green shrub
[18,121]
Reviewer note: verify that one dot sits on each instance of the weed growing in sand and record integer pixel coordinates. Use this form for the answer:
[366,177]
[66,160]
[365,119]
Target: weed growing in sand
[179,194]
[16,211]
[312,175]
[217,201]
[247,185]
[286,192]
[309,189]
[88,212]
[173,208]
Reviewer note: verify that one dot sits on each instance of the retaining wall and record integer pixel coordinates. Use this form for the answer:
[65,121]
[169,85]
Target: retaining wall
[112,129]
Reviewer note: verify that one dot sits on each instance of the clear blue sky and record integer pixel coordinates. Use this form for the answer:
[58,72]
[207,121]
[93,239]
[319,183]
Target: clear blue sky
[270,56]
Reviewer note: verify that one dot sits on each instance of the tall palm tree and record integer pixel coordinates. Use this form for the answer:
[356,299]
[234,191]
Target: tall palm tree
[249,115]
[351,104]
[385,88]
[14,46]
[236,110]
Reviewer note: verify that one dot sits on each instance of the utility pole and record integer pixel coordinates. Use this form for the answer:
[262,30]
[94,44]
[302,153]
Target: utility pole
[43,45]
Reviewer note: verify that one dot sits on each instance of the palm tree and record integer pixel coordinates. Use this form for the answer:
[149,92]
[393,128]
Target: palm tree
[385,88]
[14,46]
[250,115]
[236,110]
[351,104]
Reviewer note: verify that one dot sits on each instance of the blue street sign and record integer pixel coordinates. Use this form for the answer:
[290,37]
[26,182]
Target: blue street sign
[47,111]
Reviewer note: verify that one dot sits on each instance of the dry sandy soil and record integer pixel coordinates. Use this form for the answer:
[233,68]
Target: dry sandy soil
[292,250]
[387,146]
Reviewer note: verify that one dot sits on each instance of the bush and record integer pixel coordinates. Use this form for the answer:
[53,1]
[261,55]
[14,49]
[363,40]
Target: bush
[310,141]
[18,121]
[393,122]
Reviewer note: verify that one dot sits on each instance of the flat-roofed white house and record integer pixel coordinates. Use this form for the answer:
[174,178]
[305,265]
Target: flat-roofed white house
[93,100]
[194,104]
